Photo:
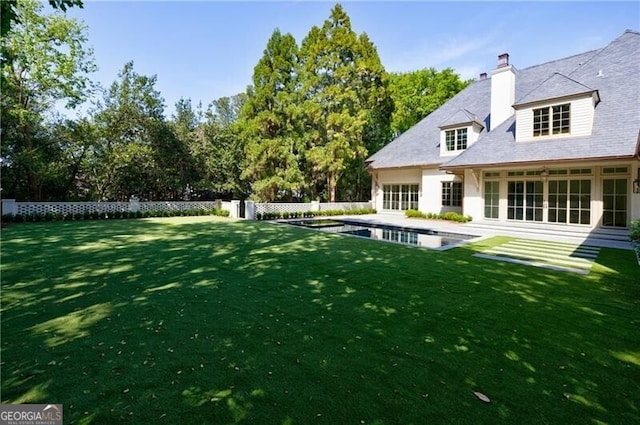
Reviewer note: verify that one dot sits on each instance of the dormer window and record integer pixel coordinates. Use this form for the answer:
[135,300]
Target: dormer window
[558,124]
[458,132]
[456,140]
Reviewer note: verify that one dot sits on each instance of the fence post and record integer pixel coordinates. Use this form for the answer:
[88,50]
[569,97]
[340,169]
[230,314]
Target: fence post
[249,209]
[134,204]
[315,205]
[9,206]
[235,209]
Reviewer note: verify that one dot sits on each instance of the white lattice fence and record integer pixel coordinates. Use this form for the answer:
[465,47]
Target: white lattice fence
[282,207]
[176,205]
[345,206]
[26,208]
[9,206]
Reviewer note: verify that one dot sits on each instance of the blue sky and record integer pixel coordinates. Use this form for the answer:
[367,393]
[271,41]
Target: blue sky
[204,50]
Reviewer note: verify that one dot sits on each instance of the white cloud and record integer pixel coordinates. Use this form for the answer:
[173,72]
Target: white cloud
[442,53]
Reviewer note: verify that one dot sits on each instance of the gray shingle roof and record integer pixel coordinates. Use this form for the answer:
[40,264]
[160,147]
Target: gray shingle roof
[557,85]
[614,71]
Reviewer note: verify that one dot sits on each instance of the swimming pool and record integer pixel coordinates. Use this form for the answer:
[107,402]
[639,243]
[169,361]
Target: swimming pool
[426,238]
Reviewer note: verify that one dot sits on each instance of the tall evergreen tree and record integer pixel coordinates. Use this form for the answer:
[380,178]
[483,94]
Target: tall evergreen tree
[346,102]
[275,150]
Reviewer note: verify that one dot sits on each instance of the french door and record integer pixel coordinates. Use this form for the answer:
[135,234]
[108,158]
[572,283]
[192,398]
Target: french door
[570,201]
[614,194]
[525,200]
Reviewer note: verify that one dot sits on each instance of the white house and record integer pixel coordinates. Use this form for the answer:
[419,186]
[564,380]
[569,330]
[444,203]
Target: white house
[554,143]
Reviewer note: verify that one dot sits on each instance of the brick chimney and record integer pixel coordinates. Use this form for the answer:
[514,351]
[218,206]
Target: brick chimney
[503,60]
[503,91]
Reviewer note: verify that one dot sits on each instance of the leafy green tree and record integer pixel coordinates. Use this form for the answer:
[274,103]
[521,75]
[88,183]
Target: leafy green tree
[9,13]
[418,93]
[345,91]
[48,64]
[271,119]
[72,140]
[215,145]
[223,147]
[137,153]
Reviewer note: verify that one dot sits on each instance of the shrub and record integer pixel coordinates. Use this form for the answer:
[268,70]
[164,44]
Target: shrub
[414,214]
[311,214]
[449,216]
[634,231]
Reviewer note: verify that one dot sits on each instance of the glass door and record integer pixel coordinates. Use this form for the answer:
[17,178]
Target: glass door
[558,198]
[525,200]
[614,202]
[580,201]
[570,201]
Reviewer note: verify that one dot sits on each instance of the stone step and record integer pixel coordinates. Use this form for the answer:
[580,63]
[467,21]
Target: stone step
[552,230]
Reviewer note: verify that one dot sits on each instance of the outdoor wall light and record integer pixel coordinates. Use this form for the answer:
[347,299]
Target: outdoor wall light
[544,174]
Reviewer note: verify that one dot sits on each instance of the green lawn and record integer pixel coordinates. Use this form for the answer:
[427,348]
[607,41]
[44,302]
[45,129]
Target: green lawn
[211,321]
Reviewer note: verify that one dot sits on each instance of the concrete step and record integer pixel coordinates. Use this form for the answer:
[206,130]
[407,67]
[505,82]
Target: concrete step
[601,236]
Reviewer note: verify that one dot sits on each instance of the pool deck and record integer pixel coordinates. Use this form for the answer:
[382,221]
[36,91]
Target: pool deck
[602,238]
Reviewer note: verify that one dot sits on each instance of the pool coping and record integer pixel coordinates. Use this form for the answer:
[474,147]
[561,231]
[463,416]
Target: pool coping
[349,220]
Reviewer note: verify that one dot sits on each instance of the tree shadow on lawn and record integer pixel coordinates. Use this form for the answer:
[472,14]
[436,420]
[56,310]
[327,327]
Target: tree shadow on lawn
[142,321]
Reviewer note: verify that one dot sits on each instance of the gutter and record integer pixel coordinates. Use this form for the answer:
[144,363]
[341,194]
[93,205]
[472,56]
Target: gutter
[539,162]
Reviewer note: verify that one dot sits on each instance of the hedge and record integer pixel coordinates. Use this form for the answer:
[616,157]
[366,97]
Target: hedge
[311,214]
[95,215]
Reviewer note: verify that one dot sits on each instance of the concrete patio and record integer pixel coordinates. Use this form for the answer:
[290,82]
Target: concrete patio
[609,238]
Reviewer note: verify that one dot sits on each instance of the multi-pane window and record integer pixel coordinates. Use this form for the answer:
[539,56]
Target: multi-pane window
[615,189]
[456,140]
[580,201]
[552,120]
[524,200]
[451,194]
[541,122]
[491,199]
[400,196]
[560,119]
[614,202]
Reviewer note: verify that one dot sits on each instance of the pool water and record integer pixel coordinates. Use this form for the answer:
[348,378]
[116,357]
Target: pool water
[407,236]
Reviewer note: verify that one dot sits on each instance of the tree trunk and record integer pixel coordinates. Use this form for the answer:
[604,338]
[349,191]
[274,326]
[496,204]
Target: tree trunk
[332,183]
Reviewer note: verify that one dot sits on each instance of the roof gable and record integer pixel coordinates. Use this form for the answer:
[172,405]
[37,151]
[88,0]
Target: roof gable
[460,117]
[556,86]
[613,71]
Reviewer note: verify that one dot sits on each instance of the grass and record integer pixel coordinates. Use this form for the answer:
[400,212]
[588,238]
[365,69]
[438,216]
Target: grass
[211,321]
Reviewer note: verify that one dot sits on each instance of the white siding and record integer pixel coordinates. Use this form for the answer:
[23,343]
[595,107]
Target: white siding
[582,111]
[524,125]
[582,117]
